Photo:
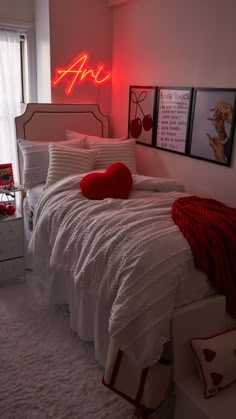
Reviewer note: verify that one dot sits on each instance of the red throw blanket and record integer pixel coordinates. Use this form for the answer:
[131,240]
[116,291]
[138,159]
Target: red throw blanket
[210,228]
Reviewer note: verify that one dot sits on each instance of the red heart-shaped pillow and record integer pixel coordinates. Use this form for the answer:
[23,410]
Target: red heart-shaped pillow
[116,182]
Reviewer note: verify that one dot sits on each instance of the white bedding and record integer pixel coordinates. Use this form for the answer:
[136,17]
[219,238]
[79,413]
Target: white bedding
[30,201]
[144,266]
[34,194]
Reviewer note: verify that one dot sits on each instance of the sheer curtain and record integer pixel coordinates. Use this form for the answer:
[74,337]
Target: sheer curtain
[10,96]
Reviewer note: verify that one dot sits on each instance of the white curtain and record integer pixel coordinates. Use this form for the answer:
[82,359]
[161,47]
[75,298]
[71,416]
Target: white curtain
[10,96]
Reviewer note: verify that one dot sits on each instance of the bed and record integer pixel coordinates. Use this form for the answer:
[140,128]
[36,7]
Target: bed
[87,251]
[47,122]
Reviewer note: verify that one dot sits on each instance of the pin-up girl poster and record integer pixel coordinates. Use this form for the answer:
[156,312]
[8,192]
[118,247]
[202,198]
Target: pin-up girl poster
[142,103]
[213,121]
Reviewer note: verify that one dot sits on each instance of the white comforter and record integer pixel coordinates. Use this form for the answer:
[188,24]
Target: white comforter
[128,252]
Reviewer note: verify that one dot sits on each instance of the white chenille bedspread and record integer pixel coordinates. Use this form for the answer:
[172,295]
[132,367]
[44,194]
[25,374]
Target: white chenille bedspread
[128,252]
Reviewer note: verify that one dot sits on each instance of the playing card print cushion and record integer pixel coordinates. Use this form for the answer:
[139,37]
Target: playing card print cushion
[216,360]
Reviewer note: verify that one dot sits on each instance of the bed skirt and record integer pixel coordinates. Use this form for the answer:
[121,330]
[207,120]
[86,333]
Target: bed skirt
[89,319]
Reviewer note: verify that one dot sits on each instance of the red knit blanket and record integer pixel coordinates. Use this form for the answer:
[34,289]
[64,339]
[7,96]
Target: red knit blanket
[210,228]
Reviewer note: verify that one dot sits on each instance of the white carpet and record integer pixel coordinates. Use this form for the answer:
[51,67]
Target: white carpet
[45,370]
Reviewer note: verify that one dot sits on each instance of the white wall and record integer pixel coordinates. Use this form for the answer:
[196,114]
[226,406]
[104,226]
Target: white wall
[78,26]
[20,14]
[42,31]
[63,31]
[112,3]
[15,10]
[175,43]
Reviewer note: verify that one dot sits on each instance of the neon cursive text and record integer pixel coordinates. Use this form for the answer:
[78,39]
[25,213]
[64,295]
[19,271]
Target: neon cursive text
[79,72]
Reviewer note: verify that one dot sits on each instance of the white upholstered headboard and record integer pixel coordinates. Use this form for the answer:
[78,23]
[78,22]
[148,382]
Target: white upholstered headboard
[48,122]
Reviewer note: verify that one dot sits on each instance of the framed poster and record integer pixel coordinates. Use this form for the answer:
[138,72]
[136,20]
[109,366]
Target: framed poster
[212,125]
[173,118]
[6,174]
[142,103]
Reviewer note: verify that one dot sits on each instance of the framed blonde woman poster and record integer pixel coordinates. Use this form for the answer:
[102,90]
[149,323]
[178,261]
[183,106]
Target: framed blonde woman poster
[212,125]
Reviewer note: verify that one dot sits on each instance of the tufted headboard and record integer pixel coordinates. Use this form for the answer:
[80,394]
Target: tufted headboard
[48,122]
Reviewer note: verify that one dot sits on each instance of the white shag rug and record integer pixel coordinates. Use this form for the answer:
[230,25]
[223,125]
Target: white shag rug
[46,371]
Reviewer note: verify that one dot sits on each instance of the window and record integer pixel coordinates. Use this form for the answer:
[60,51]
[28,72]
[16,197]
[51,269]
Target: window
[14,89]
[22,54]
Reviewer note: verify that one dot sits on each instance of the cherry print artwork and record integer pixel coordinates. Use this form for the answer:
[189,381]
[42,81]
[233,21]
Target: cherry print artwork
[147,122]
[136,127]
[141,110]
[136,124]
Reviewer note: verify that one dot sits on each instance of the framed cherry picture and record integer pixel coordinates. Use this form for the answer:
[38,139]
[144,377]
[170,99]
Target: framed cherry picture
[6,174]
[142,108]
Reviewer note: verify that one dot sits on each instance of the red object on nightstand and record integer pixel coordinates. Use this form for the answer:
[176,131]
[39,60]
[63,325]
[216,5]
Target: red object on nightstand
[10,209]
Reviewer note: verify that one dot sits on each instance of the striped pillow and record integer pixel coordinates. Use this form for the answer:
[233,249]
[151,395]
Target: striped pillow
[65,161]
[108,153]
[35,155]
[72,135]
[100,140]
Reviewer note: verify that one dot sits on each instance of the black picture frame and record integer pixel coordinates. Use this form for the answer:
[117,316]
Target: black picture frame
[212,125]
[173,118]
[142,107]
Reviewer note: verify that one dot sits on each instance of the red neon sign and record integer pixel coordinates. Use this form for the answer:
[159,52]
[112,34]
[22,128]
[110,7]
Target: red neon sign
[79,72]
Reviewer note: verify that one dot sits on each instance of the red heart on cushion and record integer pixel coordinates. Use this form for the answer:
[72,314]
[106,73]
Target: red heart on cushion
[209,354]
[216,378]
[116,182]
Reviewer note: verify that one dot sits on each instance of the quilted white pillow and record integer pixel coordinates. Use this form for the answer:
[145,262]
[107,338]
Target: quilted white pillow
[216,359]
[65,161]
[108,153]
[35,155]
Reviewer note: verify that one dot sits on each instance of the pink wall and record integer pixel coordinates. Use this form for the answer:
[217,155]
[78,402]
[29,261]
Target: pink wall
[175,43]
[42,32]
[77,26]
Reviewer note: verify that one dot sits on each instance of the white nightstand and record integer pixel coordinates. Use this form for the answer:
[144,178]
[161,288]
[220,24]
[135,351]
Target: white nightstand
[12,264]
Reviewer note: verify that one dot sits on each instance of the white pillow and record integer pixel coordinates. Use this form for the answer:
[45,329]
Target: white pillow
[90,138]
[65,161]
[35,155]
[216,359]
[108,153]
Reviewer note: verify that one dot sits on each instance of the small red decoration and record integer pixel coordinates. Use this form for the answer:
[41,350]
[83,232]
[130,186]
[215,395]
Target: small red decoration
[79,71]
[2,208]
[209,354]
[7,209]
[116,182]
[10,209]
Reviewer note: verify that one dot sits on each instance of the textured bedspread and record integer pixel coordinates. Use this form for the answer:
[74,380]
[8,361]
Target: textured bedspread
[129,252]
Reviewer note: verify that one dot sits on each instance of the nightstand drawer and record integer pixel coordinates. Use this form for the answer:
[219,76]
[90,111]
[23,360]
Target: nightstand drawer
[10,249]
[12,269]
[11,229]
